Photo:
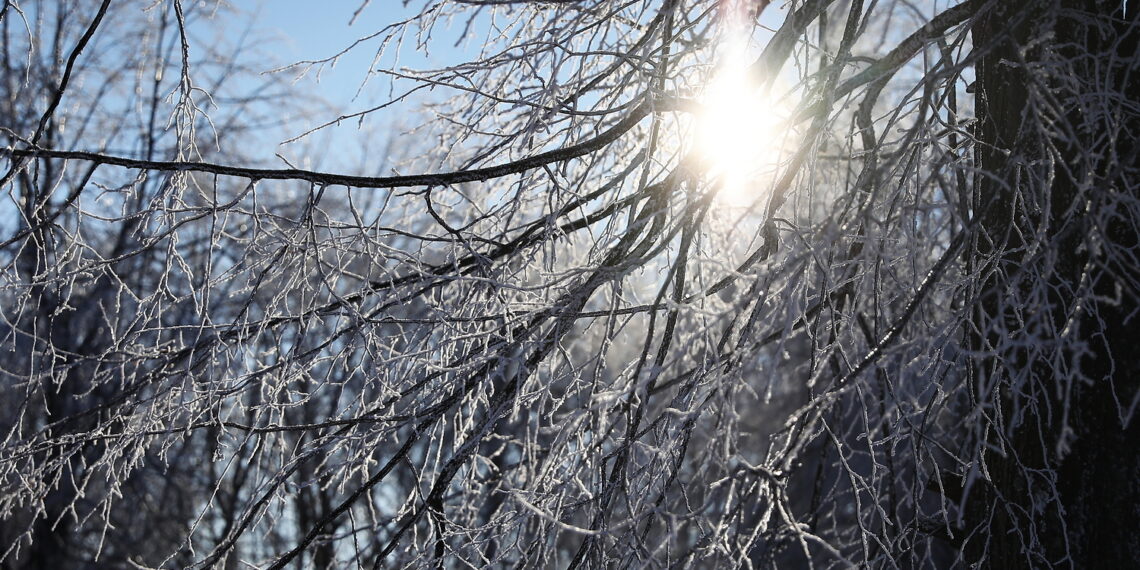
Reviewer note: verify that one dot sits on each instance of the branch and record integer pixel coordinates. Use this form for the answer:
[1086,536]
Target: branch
[887,65]
[329,179]
[57,96]
[908,48]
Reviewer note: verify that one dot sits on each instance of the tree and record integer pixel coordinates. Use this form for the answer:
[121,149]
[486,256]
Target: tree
[573,336]
[1058,241]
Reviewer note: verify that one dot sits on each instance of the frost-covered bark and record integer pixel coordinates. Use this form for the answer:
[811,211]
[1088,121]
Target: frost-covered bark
[1057,94]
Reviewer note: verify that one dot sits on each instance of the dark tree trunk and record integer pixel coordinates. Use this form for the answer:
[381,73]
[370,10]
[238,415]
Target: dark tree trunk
[1056,94]
[1099,478]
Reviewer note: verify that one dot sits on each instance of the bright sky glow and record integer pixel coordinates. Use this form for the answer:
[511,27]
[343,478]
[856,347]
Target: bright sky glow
[741,126]
[737,134]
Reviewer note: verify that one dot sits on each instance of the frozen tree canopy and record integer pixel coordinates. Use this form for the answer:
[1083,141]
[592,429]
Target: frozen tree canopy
[572,284]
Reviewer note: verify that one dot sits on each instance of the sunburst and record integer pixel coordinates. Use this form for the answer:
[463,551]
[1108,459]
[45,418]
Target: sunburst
[740,130]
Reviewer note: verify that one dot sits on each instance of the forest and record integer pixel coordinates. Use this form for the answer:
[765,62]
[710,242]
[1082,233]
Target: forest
[570,284]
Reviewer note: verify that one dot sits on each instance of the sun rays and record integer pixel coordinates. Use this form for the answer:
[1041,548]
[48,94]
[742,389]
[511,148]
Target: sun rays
[741,125]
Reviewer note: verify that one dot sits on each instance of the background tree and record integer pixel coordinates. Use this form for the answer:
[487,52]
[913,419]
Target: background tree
[557,327]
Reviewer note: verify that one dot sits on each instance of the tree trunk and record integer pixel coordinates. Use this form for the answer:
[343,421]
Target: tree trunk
[1055,93]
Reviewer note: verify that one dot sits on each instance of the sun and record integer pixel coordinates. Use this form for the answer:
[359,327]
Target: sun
[740,130]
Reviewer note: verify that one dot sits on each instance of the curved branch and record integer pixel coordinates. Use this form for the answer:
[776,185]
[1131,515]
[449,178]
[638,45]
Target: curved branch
[330,179]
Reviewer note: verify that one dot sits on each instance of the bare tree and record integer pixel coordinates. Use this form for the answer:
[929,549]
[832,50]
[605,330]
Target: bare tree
[647,286]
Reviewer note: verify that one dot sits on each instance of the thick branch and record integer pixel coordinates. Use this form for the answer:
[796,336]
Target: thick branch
[329,179]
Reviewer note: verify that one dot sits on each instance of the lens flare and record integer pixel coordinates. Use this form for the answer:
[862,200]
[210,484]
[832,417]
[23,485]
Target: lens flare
[738,134]
[740,131]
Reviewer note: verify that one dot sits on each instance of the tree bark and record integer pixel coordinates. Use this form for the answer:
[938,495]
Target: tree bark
[1055,94]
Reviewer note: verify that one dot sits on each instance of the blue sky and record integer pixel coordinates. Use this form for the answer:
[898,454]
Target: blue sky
[303,30]
[315,30]
[307,30]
